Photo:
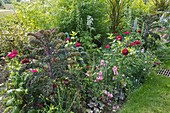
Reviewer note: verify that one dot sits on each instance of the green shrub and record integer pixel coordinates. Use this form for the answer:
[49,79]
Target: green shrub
[116,13]
[27,18]
[13,35]
[43,18]
[72,15]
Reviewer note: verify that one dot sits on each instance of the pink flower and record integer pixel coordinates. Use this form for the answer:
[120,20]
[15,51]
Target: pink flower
[88,73]
[164,36]
[107,46]
[102,63]
[100,77]
[109,95]
[97,67]
[156,30]
[105,92]
[100,73]
[34,70]
[67,39]
[127,32]
[78,44]
[115,70]
[13,54]
[125,51]
[119,38]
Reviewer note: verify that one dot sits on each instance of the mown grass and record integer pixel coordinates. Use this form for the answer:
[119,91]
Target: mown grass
[168,64]
[152,97]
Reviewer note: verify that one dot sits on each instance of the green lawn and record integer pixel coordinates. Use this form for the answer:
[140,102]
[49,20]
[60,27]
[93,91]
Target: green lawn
[168,64]
[152,97]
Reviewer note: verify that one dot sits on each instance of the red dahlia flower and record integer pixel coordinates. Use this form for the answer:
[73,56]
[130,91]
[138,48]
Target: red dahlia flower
[67,39]
[54,86]
[125,51]
[137,42]
[119,38]
[127,32]
[78,44]
[115,33]
[88,67]
[139,31]
[107,46]
[25,60]
[132,44]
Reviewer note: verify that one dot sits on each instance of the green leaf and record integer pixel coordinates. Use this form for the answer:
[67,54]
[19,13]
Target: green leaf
[19,90]
[10,91]
[15,110]
[32,111]
[7,109]
[10,102]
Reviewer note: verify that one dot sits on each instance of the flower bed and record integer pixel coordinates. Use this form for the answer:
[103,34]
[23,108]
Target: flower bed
[77,71]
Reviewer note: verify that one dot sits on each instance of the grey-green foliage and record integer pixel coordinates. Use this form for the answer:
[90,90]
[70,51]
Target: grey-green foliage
[72,15]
